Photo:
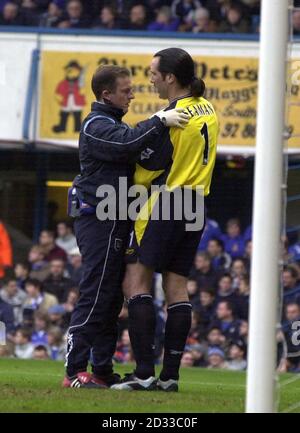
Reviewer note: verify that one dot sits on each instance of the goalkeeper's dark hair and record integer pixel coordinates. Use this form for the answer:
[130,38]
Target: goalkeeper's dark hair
[178,62]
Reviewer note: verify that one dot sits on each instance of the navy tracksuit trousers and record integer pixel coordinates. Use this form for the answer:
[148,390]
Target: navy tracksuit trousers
[93,329]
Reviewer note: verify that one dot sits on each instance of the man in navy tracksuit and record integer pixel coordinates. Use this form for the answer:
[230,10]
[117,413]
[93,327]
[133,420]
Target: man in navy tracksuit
[108,150]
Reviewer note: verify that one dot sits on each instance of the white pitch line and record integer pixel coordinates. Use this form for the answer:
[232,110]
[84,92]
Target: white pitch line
[290,380]
[291,408]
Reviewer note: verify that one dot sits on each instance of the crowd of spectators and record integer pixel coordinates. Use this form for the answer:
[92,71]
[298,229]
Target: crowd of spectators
[219,290]
[197,16]
[37,302]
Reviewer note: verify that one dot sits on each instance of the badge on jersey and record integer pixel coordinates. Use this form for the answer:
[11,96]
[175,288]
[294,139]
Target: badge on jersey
[146,153]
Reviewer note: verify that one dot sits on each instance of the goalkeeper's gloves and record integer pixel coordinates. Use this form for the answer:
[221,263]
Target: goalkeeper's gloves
[174,117]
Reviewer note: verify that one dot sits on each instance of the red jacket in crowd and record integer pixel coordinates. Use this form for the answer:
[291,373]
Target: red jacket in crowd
[5,250]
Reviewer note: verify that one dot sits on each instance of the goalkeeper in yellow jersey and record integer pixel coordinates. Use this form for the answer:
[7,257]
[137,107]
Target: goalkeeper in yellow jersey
[163,238]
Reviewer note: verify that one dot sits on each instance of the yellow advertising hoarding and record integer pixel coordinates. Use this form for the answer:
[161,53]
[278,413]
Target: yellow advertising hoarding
[231,85]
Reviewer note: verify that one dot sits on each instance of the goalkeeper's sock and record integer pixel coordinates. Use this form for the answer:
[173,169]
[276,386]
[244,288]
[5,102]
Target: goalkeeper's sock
[142,323]
[177,328]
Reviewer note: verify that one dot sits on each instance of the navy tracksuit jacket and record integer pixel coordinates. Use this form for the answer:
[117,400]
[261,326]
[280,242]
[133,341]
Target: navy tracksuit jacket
[108,149]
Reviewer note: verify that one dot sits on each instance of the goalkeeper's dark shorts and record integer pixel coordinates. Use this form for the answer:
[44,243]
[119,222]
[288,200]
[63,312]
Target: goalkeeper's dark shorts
[165,244]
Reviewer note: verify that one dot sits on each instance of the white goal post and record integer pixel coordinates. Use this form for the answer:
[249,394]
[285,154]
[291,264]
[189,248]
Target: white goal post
[264,298]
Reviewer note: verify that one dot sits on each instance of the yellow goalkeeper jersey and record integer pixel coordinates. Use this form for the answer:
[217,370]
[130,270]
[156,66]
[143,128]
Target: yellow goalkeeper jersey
[183,157]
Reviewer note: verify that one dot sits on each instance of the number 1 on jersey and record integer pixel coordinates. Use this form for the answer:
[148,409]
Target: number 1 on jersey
[204,133]
[131,238]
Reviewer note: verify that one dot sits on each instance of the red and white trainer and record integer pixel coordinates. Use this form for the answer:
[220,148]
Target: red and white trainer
[83,380]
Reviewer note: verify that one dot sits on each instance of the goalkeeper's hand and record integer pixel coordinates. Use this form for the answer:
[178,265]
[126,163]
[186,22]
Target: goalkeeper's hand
[174,117]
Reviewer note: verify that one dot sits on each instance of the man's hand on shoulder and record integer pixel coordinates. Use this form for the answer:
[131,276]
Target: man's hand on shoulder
[175,117]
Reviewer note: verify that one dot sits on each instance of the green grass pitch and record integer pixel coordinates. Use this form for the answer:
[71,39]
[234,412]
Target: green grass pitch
[35,386]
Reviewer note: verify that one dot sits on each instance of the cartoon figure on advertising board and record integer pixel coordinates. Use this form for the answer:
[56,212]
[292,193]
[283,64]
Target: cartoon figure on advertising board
[69,96]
